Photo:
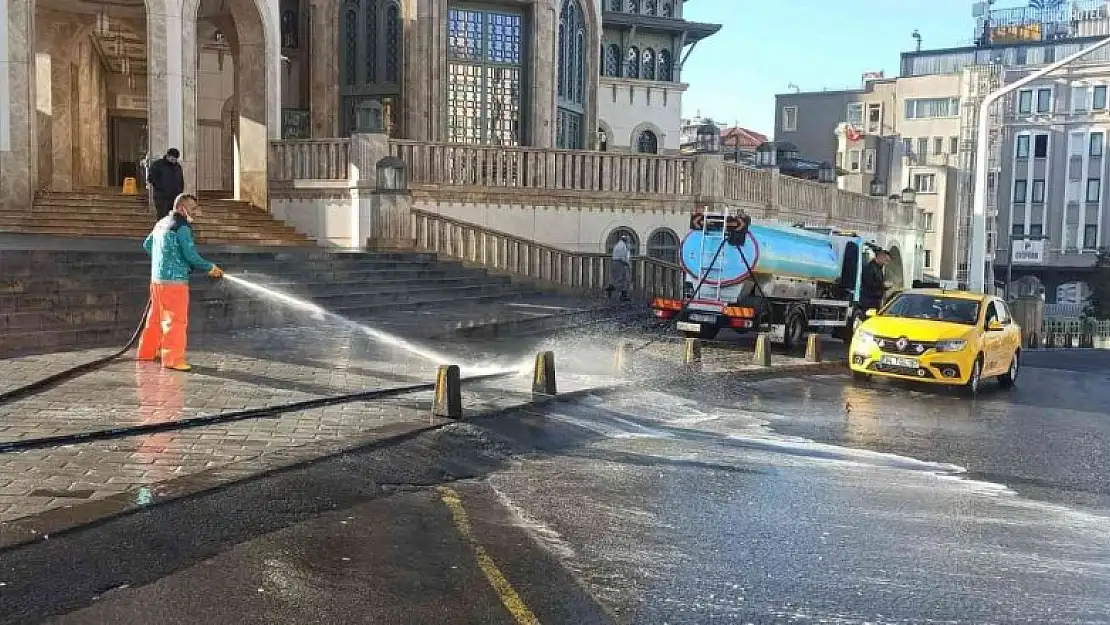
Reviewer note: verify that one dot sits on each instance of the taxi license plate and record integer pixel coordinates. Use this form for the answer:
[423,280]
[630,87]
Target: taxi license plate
[900,362]
[703,318]
[688,327]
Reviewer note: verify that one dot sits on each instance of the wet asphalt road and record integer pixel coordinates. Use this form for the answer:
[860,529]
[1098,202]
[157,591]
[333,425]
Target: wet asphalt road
[779,501]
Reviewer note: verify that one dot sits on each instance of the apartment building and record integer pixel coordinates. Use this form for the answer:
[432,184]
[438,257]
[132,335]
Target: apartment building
[1052,200]
[889,134]
[1047,175]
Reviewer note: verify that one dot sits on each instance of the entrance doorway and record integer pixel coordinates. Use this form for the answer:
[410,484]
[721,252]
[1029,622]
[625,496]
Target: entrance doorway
[127,146]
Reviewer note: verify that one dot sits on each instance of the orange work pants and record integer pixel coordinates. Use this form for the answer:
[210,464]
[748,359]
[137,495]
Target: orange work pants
[167,324]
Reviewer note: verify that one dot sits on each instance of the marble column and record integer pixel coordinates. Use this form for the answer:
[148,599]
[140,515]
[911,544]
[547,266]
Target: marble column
[252,141]
[541,91]
[17,104]
[423,56]
[324,68]
[167,89]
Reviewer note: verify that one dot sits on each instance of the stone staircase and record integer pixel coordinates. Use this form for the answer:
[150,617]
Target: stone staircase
[59,299]
[111,215]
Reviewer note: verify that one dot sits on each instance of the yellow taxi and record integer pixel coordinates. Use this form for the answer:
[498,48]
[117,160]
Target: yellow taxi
[939,337]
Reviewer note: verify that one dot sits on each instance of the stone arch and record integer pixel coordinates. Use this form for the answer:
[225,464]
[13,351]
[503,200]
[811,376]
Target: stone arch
[664,244]
[607,130]
[639,129]
[85,161]
[615,235]
[257,56]
[590,11]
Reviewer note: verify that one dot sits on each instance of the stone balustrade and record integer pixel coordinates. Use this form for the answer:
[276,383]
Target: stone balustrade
[435,164]
[498,251]
[704,178]
[310,159]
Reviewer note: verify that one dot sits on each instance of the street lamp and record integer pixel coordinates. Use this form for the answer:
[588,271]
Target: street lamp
[709,138]
[908,196]
[977,258]
[766,155]
[826,173]
[878,188]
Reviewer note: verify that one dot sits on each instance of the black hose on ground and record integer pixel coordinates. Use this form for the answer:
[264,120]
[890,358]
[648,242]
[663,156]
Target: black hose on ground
[41,385]
[229,417]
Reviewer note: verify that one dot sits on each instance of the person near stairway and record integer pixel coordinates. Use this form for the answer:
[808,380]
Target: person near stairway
[173,257]
[167,181]
[620,269]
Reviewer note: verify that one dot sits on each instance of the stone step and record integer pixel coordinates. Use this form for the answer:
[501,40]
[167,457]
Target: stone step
[140,265]
[203,238]
[136,297]
[109,214]
[138,282]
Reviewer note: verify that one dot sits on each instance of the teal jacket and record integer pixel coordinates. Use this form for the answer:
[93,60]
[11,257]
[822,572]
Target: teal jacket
[173,251]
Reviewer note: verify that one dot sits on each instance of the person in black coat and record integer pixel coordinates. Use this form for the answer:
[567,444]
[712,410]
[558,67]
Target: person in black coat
[873,281]
[167,181]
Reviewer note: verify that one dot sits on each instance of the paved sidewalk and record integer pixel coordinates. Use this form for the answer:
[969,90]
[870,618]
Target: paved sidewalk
[254,369]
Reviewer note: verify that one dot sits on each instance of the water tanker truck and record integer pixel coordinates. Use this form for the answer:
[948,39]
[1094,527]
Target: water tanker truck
[787,281]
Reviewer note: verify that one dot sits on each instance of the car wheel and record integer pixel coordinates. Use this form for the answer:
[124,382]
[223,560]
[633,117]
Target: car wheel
[860,377]
[1009,379]
[976,378]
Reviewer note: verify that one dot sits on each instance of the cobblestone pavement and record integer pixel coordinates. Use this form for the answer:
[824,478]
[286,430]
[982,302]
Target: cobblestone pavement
[253,369]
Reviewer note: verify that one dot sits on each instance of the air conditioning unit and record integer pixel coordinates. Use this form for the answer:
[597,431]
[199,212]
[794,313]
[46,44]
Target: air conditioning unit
[131,102]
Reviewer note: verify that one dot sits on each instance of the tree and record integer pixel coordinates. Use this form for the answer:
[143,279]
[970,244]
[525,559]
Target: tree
[1098,305]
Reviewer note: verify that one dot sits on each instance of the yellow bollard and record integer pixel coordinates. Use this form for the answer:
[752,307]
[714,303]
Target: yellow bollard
[691,356]
[762,350]
[624,358]
[448,396]
[130,186]
[813,348]
[543,378]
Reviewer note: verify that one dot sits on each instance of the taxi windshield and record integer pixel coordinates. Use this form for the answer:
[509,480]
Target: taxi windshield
[934,307]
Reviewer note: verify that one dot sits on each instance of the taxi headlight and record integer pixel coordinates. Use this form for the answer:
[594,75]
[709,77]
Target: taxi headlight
[951,345]
[865,338]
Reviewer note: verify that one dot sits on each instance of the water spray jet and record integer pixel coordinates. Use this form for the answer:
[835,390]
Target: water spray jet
[319,313]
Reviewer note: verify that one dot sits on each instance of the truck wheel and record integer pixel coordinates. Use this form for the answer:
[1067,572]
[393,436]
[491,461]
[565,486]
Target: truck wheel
[796,327]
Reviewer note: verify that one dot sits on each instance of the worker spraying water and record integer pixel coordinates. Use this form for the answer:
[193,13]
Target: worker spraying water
[173,257]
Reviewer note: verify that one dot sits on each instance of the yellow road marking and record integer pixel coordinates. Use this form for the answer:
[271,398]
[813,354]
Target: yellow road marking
[509,597]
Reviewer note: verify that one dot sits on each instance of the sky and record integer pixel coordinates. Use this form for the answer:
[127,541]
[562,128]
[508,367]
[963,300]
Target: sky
[763,47]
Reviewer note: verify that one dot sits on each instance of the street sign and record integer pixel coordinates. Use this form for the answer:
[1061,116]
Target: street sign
[1027,251]
[697,220]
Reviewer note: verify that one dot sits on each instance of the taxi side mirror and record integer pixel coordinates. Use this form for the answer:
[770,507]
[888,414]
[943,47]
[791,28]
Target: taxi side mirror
[871,312]
[995,326]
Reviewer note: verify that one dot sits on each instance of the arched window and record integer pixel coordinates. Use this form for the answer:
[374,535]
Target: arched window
[616,5]
[651,7]
[370,58]
[665,66]
[668,8]
[611,64]
[632,63]
[634,6]
[647,143]
[569,124]
[663,245]
[615,235]
[647,66]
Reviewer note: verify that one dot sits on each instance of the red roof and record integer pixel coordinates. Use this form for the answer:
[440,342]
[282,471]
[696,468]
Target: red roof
[736,136]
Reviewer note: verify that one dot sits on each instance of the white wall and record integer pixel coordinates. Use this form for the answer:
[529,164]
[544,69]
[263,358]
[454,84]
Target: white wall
[626,106]
[328,220]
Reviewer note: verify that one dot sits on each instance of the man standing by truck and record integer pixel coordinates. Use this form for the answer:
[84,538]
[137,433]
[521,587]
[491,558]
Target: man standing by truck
[873,281]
